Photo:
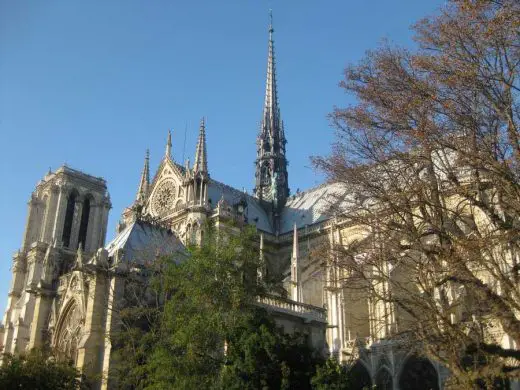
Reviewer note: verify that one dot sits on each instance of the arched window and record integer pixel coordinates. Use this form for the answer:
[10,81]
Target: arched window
[69,216]
[359,377]
[265,175]
[68,334]
[418,373]
[83,226]
[384,380]
[198,189]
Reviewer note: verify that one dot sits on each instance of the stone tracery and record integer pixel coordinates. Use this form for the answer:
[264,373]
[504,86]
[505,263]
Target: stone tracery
[69,332]
[164,197]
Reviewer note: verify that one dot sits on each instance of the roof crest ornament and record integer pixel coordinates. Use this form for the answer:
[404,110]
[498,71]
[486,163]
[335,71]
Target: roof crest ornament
[168,152]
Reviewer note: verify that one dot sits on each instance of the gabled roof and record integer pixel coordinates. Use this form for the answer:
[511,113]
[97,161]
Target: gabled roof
[143,242]
[179,170]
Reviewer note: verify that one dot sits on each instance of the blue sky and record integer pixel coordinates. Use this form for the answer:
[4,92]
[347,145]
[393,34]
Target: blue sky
[94,83]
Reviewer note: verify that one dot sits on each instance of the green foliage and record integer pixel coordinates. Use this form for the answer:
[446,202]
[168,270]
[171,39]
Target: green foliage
[37,370]
[206,331]
[140,316]
[260,356]
[209,296]
[331,376]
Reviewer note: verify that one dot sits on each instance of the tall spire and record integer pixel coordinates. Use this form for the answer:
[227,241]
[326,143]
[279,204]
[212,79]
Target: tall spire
[168,152]
[295,269]
[271,165]
[201,159]
[144,183]
[271,114]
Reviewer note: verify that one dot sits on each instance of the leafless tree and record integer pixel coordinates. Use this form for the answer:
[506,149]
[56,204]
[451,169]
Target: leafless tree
[429,157]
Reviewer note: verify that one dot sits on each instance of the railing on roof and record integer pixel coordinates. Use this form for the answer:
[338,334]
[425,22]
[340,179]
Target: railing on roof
[305,231]
[309,312]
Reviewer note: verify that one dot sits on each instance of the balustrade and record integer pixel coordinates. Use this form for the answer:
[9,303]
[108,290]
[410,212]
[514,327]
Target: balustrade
[298,308]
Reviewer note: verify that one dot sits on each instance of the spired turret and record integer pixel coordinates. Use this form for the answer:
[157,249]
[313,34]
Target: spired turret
[144,183]
[200,172]
[272,185]
[201,159]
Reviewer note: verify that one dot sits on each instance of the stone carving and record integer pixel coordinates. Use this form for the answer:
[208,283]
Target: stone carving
[164,196]
[68,335]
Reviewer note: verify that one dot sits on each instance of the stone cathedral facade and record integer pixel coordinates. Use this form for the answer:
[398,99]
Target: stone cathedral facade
[66,279]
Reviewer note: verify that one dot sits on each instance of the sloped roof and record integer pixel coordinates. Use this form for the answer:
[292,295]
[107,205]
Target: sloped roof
[311,206]
[255,213]
[142,242]
[305,208]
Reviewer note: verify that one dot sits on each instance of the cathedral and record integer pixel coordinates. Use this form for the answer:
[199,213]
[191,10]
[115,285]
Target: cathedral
[66,280]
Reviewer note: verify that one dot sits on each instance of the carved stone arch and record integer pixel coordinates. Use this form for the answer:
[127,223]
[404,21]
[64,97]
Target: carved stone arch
[76,291]
[384,379]
[384,362]
[72,190]
[68,332]
[360,375]
[418,372]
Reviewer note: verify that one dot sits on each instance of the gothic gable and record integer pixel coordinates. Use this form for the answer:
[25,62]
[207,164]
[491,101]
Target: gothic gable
[166,189]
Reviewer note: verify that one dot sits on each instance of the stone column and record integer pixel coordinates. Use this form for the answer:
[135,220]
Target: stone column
[50,215]
[61,209]
[104,221]
[18,270]
[39,324]
[96,212]
[90,245]
[23,323]
[112,326]
[29,223]
[89,358]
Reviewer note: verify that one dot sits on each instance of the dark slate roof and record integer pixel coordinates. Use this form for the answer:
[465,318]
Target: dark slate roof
[142,242]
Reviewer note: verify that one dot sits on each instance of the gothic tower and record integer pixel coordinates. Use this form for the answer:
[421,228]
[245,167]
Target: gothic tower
[272,185]
[68,211]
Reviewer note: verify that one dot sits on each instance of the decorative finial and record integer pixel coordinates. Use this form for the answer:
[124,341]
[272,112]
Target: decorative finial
[169,145]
